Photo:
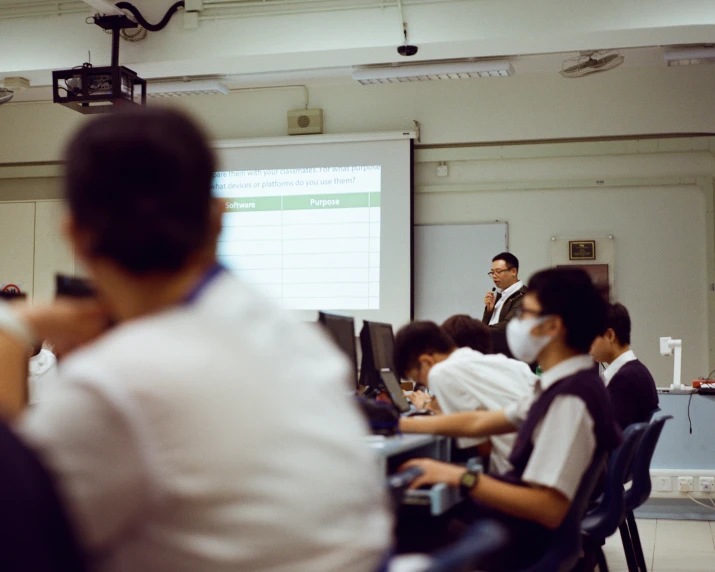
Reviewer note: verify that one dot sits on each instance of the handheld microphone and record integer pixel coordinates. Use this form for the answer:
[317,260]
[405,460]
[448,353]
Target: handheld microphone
[493,290]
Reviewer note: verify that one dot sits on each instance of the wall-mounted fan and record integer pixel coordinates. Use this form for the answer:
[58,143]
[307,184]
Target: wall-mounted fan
[587,63]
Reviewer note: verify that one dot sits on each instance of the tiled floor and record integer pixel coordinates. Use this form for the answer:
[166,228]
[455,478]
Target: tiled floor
[669,546]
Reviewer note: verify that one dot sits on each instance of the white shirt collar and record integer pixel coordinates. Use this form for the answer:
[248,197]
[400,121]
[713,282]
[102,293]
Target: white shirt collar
[564,369]
[617,364]
[513,289]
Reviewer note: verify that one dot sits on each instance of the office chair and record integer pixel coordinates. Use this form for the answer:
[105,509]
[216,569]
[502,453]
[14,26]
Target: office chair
[639,492]
[604,520]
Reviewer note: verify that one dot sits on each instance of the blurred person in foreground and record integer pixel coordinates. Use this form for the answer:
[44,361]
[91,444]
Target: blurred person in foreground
[177,437]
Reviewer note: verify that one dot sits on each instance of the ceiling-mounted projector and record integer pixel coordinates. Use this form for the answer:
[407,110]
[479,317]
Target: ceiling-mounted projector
[89,89]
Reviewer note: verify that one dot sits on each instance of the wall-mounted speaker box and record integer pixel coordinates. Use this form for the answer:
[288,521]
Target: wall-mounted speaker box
[305,121]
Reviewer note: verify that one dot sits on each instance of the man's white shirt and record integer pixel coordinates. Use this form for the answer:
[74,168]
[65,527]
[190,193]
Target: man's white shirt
[470,381]
[505,295]
[214,436]
[618,363]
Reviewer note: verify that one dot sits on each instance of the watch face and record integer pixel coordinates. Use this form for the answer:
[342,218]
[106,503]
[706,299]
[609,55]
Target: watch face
[469,480]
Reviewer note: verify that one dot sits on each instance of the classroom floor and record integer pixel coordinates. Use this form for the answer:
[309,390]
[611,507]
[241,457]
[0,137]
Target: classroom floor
[669,546]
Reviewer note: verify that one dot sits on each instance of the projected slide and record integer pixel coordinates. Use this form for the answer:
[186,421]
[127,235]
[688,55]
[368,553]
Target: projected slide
[309,238]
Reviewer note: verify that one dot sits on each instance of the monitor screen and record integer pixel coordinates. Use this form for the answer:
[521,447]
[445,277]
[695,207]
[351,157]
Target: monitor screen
[392,384]
[342,331]
[376,341]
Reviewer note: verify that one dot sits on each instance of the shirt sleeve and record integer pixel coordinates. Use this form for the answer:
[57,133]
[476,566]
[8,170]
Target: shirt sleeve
[564,444]
[453,398]
[517,411]
[88,445]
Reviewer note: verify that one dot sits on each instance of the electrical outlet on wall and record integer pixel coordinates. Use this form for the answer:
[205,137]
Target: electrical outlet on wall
[707,484]
[685,484]
[663,484]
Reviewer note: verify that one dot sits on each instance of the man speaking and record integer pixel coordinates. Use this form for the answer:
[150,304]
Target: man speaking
[502,307]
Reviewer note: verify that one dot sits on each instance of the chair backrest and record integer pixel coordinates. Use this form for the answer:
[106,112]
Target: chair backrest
[35,533]
[607,516]
[481,541]
[565,548]
[640,488]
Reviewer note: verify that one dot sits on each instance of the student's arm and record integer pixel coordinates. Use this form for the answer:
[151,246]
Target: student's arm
[67,323]
[542,505]
[13,376]
[470,424]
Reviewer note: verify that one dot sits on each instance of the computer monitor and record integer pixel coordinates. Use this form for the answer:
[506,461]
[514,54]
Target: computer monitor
[73,287]
[377,342]
[392,384]
[342,330]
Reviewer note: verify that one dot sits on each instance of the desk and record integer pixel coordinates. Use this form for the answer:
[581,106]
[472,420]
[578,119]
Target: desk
[392,451]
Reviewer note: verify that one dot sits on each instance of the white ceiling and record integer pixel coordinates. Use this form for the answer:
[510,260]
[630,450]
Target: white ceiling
[324,45]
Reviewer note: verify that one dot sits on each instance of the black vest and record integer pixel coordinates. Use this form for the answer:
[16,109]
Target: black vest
[587,386]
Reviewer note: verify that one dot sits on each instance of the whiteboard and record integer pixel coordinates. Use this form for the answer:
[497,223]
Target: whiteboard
[451,265]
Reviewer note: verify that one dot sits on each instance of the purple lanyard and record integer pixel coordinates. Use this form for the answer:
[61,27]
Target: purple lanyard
[209,276]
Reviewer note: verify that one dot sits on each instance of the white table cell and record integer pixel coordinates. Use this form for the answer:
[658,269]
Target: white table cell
[374,274]
[374,289]
[240,263]
[375,229]
[327,275]
[262,276]
[235,233]
[248,248]
[308,290]
[331,230]
[295,261]
[252,218]
[327,216]
[375,214]
[326,245]
[374,260]
[325,303]
[374,304]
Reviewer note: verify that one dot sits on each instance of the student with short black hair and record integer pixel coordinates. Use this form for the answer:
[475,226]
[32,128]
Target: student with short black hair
[567,422]
[469,333]
[501,308]
[176,437]
[630,384]
[462,379]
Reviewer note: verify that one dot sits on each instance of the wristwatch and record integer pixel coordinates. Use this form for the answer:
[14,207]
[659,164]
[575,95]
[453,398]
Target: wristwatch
[469,481]
[13,325]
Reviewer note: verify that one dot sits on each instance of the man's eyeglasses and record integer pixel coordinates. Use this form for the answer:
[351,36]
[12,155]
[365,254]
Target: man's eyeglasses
[498,272]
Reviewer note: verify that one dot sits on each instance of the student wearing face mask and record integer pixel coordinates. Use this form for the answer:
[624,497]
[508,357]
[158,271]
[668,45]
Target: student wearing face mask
[630,384]
[566,422]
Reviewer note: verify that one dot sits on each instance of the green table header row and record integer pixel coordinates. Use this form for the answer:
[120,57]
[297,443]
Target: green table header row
[301,202]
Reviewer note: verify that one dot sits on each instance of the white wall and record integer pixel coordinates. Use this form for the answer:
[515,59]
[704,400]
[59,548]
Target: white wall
[660,252]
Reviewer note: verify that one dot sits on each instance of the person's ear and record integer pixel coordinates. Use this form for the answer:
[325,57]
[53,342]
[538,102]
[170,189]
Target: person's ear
[610,335]
[551,327]
[426,360]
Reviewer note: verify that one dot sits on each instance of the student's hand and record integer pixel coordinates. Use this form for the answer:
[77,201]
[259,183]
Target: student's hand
[489,301]
[67,323]
[434,472]
[419,399]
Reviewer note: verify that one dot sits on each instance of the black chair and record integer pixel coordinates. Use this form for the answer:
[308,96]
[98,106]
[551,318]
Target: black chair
[565,549]
[639,493]
[480,542]
[604,520]
[35,533]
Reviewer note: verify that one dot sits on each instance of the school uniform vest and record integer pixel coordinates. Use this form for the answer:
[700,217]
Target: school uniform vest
[633,394]
[587,386]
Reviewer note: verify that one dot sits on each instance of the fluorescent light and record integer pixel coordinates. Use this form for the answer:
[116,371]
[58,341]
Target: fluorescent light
[182,88]
[432,72]
[105,8]
[690,56]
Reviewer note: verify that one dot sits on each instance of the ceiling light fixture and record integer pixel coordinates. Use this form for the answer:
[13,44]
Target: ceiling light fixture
[432,72]
[183,88]
[690,56]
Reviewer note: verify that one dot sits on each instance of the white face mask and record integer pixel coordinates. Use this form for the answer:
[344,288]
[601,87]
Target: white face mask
[523,345]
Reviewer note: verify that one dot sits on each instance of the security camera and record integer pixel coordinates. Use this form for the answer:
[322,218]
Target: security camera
[407,50]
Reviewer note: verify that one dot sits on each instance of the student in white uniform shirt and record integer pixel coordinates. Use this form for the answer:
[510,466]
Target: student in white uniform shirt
[178,438]
[568,420]
[463,379]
